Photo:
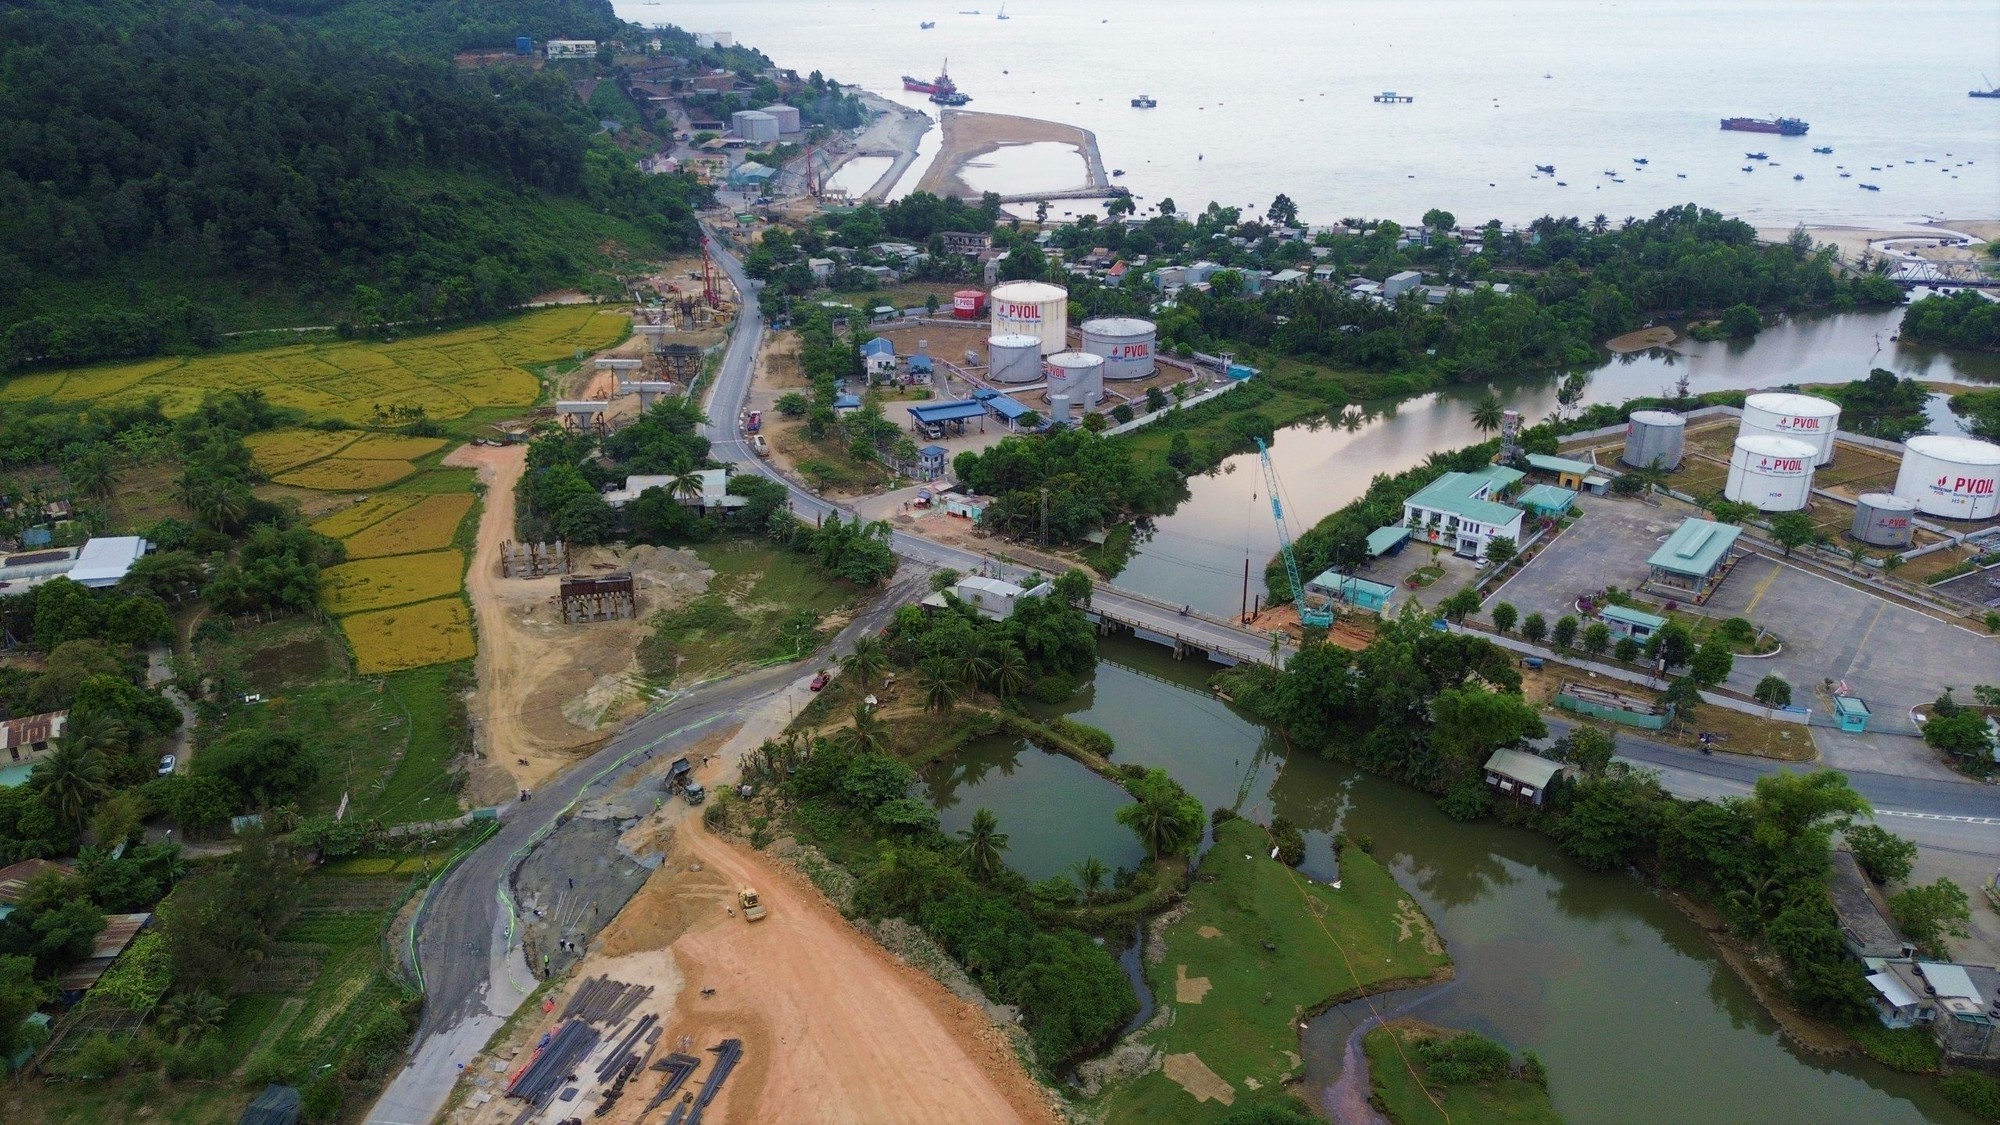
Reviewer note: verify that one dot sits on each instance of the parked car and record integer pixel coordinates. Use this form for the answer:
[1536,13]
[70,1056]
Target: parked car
[167,764]
[821,680]
[753,421]
[759,445]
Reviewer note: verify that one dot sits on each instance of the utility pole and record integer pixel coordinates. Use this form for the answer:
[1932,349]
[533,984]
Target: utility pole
[1243,609]
[1045,516]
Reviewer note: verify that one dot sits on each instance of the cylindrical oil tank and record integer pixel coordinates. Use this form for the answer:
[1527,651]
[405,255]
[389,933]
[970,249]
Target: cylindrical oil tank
[1654,435]
[1032,308]
[1884,519]
[1014,358]
[1125,342]
[967,304]
[1079,375]
[1807,418]
[1773,473]
[1951,476]
[1059,408]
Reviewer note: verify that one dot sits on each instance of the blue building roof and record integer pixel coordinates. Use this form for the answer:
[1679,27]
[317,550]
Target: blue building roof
[920,364]
[847,402]
[1007,408]
[1549,464]
[933,452]
[1384,539]
[1546,498]
[934,412]
[880,345]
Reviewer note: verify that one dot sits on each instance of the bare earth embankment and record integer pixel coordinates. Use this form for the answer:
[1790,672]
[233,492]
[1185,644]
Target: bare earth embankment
[968,136]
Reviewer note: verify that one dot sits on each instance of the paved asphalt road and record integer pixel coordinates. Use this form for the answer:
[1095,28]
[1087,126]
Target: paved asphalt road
[475,976]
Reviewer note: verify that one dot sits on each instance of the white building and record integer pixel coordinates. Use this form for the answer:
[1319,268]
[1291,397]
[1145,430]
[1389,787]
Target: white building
[714,494]
[104,561]
[572,48]
[1398,284]
[991,597]
[1458,511]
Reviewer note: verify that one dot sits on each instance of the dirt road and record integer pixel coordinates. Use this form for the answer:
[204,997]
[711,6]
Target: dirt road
[834,1028]
[548,692]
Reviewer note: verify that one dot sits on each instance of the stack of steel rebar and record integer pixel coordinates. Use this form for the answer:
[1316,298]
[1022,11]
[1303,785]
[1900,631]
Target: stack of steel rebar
[554,1063]
[678,1068]
[606,1001]
[728,1053]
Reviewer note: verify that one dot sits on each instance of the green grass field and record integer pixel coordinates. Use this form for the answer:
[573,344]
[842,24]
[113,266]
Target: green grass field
[1509,1101]
[1259,948]
[741,619]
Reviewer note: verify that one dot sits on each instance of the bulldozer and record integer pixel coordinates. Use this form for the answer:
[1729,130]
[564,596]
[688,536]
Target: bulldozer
[753,910]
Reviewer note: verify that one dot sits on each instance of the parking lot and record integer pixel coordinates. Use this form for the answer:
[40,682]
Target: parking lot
[1609,546]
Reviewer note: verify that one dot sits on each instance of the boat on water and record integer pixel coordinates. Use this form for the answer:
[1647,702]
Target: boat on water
[1847,175]
[1391,97]
[941,89]
[1118,171]
[1003,13]
[1640,160]
[927,25]
[1548,169]
[1796,176]
[1144,101]
[1756,156]
[1823,150]
[1991,91]
[1784,126]
[1870,187]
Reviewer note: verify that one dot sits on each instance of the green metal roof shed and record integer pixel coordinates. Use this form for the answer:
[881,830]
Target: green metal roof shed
[1630,622]
[1549,464]
[1383,540]
[1696,549]
[1547,499]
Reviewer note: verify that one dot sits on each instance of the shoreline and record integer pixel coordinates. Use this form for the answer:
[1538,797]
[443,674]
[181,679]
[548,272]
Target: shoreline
[968,135]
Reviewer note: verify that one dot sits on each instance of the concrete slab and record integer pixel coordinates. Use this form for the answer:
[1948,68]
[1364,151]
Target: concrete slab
[1609,546]
[1893,657]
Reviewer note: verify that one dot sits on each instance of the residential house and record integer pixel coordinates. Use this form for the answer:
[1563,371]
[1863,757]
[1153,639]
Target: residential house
[28,739]
[1521,776]
[1863,929]
[105,560]
[993,598]
[931,461]
[1397,284]
[1546,500]
[878,356]
[822,269]
[712,496]
[14,880]
[968,244]
[1458,511]
[965,505]
[1623,621]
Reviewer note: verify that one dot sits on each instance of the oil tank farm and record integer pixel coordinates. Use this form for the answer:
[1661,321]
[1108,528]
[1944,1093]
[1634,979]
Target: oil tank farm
[1954,477]
[1033,308]
[1059,408]
[1883,519]
[1772,473]
[1806,418]
[968,304]
[1014,358]
[753,125]
[1125,342]
[786,116]
[1079,375]
[1654,435]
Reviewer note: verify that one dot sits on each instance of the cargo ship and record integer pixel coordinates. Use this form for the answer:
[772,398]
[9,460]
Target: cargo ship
[942,84]
[1786,126]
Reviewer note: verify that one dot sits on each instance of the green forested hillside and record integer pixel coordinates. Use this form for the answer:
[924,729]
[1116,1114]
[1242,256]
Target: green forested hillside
[174,169]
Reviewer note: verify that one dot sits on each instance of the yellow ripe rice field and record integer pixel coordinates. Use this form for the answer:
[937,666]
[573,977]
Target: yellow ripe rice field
[391,447]
[338,474]
[428,525]
[410,636]
[379,583]
[368,513]
[448,373]
[278,450]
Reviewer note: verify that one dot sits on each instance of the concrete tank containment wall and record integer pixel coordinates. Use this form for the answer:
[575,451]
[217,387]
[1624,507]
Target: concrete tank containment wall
[1035,309]
[1654,435]
[1078,375]
[1884,520]
[967,304]
[1954,477]
[1014,359]
[1125,342]
[1773,473]
[1805,418]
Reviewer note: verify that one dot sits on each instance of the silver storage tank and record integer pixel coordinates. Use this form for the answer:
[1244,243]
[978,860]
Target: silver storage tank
[1014,358]
[1883,519]
[1654,435]
[1125,342]
[1059,408]
[1079,375]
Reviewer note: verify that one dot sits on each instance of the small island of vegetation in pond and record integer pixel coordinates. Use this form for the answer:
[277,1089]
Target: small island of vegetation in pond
[1424,1074]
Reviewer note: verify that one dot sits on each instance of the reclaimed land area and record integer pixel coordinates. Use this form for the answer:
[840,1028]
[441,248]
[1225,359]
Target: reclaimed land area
[968,136]
[1256,948]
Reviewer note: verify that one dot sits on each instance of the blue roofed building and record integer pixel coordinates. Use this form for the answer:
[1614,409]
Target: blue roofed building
[931,460]
[1546,500]
[1461,513]
[878,356]
[931,418]
[1351,591]
[921,365]
[1625,621]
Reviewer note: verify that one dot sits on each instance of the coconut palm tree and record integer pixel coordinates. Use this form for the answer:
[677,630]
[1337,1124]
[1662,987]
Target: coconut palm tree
[866,662]
[983,844]
[869,734]
[1090,875]
[192,1015]
[72,777]
[1600,223]
[92,471]
[1487,413]
[1010,671]
[975,667]
[939,687]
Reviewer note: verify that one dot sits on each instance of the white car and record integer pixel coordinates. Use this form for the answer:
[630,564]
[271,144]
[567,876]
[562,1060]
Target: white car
[167,763]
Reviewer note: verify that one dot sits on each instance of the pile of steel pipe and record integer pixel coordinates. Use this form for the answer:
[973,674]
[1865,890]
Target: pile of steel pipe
[606,1001]
[678,1067]
[727,1054]
[554,1062]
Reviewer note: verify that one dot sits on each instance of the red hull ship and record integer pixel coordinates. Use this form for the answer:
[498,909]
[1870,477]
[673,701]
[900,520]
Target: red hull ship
[942,84]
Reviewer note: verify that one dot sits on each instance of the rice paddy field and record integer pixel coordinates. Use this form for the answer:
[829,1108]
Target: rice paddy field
[410,636]
[448,374]
[431,524]
[380,583]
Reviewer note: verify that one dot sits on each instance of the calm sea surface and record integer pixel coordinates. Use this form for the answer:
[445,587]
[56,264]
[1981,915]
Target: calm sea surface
[1262,96]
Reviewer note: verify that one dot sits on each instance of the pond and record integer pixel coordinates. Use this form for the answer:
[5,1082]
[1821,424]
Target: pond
[1019,169]
[1195,554]
[1618,992]
[1054,810]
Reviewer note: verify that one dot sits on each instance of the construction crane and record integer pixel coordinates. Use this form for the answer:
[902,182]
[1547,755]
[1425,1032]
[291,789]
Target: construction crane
[1310,617]
[709,290]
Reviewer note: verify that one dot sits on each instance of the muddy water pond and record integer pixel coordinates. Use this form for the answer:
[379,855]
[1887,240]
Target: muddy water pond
[1621,995]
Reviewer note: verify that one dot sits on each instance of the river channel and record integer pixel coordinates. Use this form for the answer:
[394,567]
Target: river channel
[1195,554]
[1620,994]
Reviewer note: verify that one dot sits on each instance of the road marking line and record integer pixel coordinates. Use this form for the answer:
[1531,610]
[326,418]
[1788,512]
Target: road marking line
[1763,588]
[1940,816]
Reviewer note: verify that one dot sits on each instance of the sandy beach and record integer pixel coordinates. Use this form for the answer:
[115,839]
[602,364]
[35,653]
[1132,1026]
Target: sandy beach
[968,136]
[1854,241]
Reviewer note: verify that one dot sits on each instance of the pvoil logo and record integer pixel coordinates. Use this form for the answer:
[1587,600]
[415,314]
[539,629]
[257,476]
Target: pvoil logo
[1949,485]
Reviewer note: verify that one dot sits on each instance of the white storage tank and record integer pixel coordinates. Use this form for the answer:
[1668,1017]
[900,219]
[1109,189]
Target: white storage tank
[1772,473]
[1014,358]
[753,125]
[1951,476]
[1125,342]
[1883,519]
[787,117]
[1079,375]
[1059,408]
[1654,435]
[1032,308]
[1808,418]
